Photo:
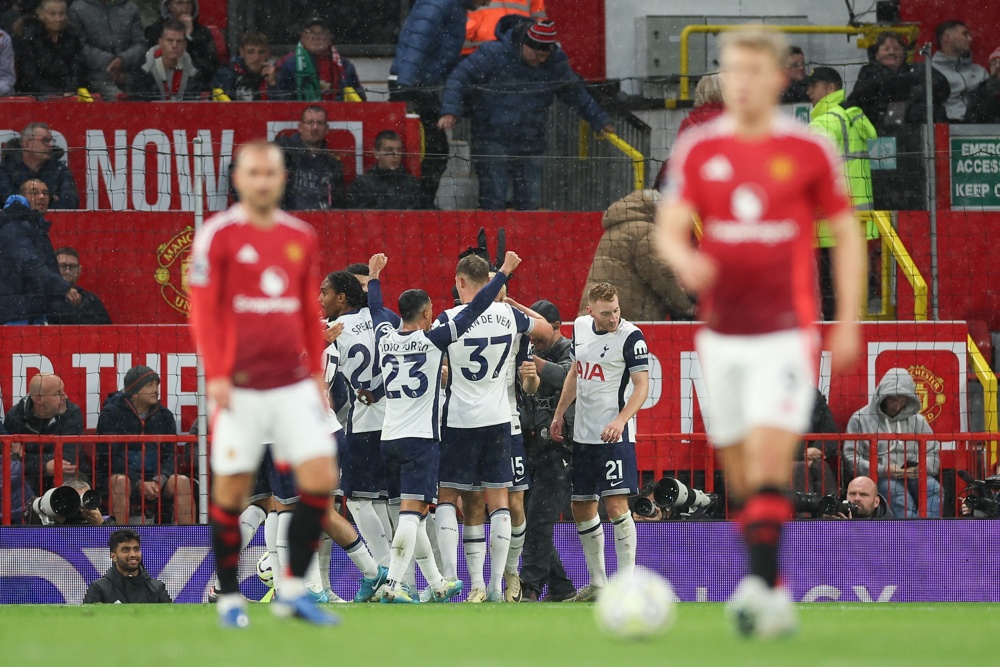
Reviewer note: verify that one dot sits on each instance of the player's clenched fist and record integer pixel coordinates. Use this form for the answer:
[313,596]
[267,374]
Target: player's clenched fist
[376,264]
[510,262]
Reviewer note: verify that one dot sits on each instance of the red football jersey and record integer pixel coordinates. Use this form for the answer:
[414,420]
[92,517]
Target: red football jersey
[253,295]
[759,201]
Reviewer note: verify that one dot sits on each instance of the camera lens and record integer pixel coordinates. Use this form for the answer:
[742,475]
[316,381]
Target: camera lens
[644,507]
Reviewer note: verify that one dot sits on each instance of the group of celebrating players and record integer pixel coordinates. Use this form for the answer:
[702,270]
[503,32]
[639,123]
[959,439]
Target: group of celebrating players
[431,415]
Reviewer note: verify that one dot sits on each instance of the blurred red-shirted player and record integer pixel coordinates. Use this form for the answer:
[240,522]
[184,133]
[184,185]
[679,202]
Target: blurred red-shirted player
[253,278]
[759,181]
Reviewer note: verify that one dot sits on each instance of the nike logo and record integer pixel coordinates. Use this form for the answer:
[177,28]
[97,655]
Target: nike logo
[614,484]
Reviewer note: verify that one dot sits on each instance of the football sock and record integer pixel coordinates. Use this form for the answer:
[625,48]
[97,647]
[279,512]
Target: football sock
[382,509]
[592,538]
[403,545]
[516,546]
[410,577]
[312,578]
[271,542]
[362,558]
[432,535]
[304,530]
[393,510]
[761,522]
[250,521]
[500,535]
[370,527]
[474,542]
[284,520]
[226,545]
[324,555]
[625,542]
[424,556]
[446,520]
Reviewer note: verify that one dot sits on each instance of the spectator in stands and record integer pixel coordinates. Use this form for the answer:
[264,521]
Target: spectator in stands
[430,45]
[141,472]
[647,288]
[387,185]
[35,155]
[113,42]
[481,25]
[8,74]
[849,131]
[37,194]
[29,273]
[708,105]
[126,581]
[90,310]
[251,74]
[863,492]
[895,410]
[984,102]
[47,412]
[359,271]
[85,517]
[954,60]
[49,52]
[199,40]
[169,74]
[21,491]
[796,70]
[884,88]
[510,84]
[811,473]
[315,173]
[316,71]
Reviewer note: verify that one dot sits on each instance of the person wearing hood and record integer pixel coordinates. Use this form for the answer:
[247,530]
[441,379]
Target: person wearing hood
[200,43]
[49,52]
[954,60]
[648,291]
[895,410]
[251,75]
[510,85]
[29,273]
[316,71]
[113,42]
[126,581]
[169,74]
[141,472]
[35,155]
[984,103]
[387,185]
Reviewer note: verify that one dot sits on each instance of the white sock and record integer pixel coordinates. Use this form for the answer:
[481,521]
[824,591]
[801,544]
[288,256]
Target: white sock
[516,546]
[250,521]
[424,556]
[411,574]
[393,510]
[382,509]
[592,538]
[324,554]
[446,521]
[312,578]
[474,542]
[499,547]
[403,545]
[370,527]
[362,558]
[432,535]
[293,587]
[625,542]
[284,519]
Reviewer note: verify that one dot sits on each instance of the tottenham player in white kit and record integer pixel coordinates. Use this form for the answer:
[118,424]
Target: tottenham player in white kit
[475,447]
[412,360]
[611,358]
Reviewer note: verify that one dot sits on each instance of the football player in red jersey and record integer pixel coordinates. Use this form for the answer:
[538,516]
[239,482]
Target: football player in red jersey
[758,181]
[253,275]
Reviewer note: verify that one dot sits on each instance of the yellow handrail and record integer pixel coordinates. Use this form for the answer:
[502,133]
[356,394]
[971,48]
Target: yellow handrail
[868,31]
[638,160]
[989,381]
[891,239]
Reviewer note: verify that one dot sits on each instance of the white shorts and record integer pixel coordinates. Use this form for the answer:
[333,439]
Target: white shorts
[764,380]
[291,419]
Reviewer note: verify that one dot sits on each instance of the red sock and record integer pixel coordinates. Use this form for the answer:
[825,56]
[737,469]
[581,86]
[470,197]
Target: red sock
[761,522]
[226,545]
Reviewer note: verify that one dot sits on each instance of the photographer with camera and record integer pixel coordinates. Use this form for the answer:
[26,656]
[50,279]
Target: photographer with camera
[72,504]
[981,496]
[126,581]
[549,463]
[670,498]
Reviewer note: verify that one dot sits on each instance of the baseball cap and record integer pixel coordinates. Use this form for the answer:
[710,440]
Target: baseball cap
[542,36]
[315,19]
[548,310]
[825,75]
[137,378]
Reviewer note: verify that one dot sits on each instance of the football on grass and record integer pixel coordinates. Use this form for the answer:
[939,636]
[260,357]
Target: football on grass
[264,572]
[637,605]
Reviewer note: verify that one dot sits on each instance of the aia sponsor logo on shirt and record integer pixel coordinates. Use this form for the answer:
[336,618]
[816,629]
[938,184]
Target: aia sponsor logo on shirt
[589,371]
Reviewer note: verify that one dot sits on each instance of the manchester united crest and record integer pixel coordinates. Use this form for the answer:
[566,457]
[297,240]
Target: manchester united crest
[173,258]
[930,390]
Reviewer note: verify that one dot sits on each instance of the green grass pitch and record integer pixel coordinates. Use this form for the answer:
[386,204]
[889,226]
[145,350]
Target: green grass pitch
[859,635]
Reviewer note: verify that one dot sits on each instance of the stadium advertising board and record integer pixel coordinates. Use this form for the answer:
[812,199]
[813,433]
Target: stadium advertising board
[948,563]
[139,156]
[93,361]
[975,167]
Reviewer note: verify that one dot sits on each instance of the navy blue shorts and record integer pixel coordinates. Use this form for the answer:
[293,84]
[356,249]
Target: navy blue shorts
[604,470]
[362,474]
[270,482]
[519,464]
[411,468]
[474,456]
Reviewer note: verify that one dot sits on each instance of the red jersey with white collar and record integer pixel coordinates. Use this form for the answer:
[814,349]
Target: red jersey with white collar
[759,200]
[252,300]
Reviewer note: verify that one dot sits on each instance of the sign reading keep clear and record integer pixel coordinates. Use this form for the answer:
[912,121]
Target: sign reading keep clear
[975,172]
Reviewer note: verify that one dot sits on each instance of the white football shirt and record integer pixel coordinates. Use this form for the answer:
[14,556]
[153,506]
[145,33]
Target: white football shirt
[356,346]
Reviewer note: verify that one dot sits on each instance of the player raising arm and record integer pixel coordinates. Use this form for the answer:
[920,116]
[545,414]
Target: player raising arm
[759,181]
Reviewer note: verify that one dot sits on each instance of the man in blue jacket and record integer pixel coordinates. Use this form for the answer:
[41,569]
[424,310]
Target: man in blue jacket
[430,44]
[142,472]
[511,83]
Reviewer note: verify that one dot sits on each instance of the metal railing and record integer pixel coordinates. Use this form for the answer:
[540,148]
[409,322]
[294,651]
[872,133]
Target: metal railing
[893,248]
